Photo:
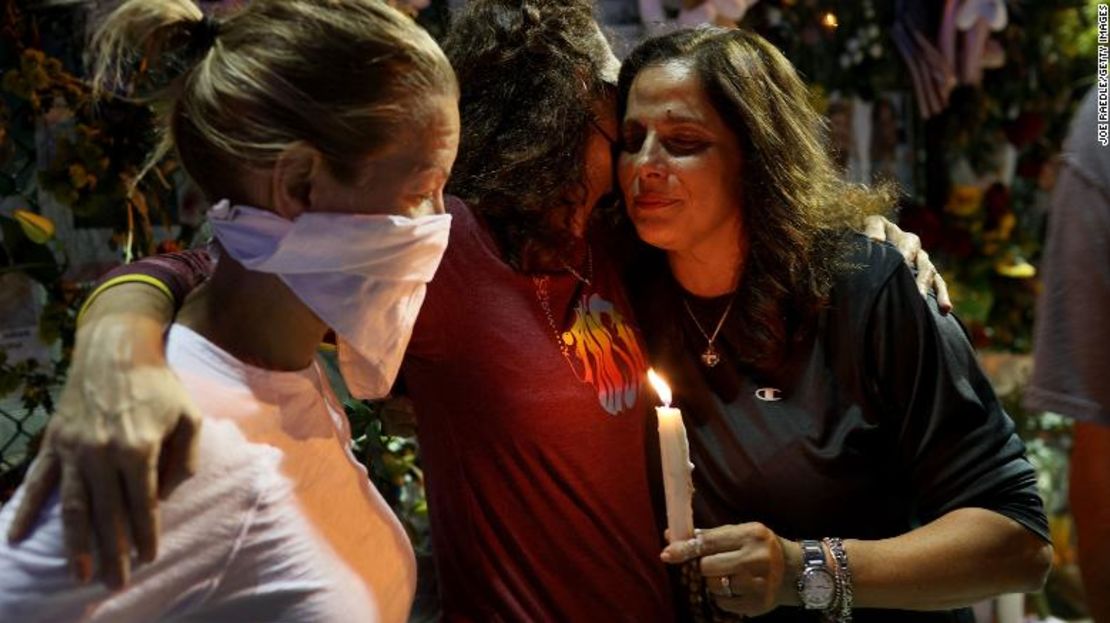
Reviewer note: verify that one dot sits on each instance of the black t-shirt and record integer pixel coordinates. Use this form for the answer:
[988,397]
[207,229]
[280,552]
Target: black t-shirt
[883,420]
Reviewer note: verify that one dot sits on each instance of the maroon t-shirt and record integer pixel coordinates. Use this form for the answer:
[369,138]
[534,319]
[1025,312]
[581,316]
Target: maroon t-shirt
[533,441]
[534,438]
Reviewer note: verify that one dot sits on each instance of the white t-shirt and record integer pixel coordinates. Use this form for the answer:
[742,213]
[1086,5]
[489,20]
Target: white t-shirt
[279,524]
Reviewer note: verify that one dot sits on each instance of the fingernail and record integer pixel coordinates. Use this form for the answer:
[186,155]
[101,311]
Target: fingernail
[666,556]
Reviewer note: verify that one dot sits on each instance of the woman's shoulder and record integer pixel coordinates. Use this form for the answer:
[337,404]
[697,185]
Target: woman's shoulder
[876,290]
[464,224]
[458,209]
[867,267]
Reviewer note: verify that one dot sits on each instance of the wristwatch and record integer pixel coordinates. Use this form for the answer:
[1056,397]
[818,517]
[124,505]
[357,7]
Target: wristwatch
[816,584]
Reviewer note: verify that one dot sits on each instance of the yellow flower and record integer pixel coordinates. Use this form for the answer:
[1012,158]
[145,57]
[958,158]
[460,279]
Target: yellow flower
[78,175]
[1006,225]
[53,66]
[32,59]
[1016,268]
[37,78]
[35,226]
[1060,528]
[965,200]
[15,84]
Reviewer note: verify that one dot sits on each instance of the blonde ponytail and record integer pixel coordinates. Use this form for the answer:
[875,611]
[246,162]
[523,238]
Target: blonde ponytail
[139,31]
[345,76]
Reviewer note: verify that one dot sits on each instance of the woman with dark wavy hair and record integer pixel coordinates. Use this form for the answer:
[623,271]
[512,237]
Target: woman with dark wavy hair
[850,457]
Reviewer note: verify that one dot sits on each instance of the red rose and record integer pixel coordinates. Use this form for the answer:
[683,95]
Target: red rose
[169,246]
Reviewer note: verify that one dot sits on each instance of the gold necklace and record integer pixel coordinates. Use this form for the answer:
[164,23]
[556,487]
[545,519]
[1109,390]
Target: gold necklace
[543,294]
[711,357]
[589,267]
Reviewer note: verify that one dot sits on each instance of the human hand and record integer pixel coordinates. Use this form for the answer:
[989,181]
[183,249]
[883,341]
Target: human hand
[909,245]
[124,433]
[744,566]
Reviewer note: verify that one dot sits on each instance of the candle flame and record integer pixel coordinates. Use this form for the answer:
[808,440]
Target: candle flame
[829,20]
[660,386]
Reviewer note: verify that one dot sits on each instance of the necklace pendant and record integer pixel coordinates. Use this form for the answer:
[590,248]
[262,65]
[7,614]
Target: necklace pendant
[710,357]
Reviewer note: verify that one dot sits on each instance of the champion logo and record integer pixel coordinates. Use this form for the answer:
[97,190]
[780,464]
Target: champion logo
[769,394]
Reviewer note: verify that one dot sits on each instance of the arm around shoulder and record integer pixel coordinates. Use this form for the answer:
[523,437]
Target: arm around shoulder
[124,432]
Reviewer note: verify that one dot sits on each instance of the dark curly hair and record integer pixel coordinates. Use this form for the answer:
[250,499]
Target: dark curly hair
[796,208]
[529,72]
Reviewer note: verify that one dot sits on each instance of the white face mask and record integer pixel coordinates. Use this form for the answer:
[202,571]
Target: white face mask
[364,275]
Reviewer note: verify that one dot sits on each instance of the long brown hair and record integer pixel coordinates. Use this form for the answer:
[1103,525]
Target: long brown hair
[796,208]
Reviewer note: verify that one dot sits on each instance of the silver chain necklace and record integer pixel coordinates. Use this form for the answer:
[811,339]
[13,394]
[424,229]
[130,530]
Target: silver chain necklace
[711,357]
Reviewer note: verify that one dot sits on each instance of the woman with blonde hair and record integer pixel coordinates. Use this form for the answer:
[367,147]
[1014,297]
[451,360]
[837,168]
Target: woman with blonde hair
[328,213]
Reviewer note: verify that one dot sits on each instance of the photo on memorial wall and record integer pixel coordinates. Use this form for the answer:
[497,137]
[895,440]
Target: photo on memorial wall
[872,141]
[892,145]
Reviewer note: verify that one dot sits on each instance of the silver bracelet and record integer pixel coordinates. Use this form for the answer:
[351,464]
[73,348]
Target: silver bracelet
[842,611]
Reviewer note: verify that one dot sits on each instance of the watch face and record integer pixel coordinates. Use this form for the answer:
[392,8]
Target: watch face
[818,588]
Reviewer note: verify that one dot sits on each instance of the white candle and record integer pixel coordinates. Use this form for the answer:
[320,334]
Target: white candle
[674,452]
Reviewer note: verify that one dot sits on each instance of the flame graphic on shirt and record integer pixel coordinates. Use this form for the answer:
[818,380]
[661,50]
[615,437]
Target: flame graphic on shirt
[608,353]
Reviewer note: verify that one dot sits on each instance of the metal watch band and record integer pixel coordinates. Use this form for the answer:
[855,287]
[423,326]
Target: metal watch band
[817,582]
[813,555]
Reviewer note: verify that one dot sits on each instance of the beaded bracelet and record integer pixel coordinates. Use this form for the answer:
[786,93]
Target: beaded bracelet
[842,610]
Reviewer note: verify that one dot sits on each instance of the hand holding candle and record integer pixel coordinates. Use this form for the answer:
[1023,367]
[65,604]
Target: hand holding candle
[674,452]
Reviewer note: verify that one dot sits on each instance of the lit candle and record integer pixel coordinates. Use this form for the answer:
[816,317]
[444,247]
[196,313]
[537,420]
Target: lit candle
[674,452]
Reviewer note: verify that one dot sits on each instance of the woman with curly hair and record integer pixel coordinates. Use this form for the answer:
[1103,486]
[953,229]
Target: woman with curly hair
[850,457]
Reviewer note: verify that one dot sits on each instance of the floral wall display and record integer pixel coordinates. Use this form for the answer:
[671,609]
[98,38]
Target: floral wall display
[58,148]
[992,86]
